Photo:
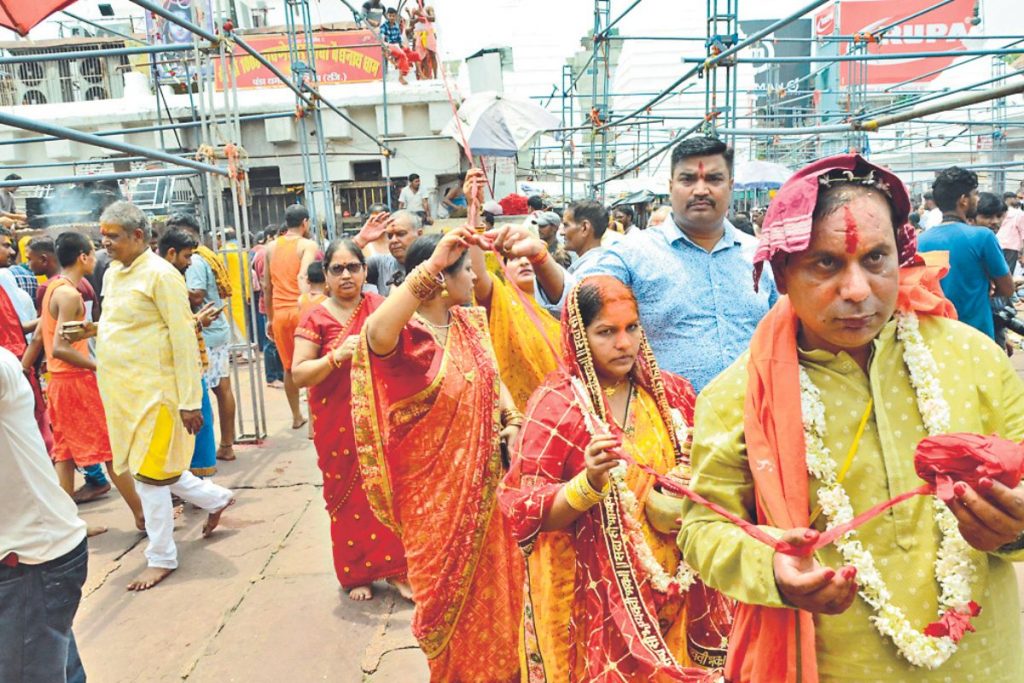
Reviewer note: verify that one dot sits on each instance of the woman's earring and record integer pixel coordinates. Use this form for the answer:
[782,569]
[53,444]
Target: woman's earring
[444,287]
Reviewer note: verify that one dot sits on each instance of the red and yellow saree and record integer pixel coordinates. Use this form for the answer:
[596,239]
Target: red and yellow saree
[592,612]
[426,419]
[364,549]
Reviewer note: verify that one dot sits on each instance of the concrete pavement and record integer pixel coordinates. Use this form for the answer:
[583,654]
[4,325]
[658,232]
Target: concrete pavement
[258,601]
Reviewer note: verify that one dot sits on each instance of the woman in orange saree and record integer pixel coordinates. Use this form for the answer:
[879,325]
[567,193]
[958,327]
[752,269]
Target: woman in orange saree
[525,336]
[364,549]
[600,538]
[428,409]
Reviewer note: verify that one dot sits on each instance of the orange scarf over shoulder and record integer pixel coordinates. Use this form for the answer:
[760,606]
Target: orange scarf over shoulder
[772,644]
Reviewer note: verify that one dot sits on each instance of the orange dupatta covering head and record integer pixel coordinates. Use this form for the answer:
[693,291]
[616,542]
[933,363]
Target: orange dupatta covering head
[426,426]
[618,624]
[771,644]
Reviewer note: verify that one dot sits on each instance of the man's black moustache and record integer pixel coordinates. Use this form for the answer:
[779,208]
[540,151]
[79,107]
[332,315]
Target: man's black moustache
[707,200]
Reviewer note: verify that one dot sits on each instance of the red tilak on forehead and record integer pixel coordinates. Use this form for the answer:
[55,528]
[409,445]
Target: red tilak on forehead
[700,170]
[852,236]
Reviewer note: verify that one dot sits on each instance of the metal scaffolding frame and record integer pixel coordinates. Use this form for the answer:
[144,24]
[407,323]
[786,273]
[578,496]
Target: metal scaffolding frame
[863,110]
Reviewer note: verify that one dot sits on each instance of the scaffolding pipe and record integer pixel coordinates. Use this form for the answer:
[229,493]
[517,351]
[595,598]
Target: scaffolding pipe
[106,52]
[881,122]
[935,96]
[710,62]
[90,22]
[298,91]
[661,150]
[175,19]
[88,139]
[184,125]
[951,66]
[603,35]
[98,177]
[888,27]
[862,57]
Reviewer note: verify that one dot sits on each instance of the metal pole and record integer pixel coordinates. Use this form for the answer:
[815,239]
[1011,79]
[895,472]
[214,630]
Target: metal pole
[111,31]
[604,34]
[881,122]
[106,52]
[640,162]
[938,95]
[725,54]
[865,57]
[97,177]
[305,98]
[88,139]
[175,19]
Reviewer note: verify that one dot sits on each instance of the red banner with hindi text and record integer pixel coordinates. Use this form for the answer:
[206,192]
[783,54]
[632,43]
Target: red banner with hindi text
[341,57]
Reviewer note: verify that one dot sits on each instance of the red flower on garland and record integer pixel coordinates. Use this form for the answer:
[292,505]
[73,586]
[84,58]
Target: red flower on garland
[954,623]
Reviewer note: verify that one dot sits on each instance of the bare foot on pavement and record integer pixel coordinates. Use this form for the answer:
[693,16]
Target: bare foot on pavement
[361,593]
[214,519]
[149,578]
[91,531]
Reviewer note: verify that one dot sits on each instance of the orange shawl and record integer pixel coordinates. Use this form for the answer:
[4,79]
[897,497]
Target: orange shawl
[771,644]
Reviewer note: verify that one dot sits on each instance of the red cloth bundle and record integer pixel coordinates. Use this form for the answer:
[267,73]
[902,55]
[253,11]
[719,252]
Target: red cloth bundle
[514,205]
[946,459]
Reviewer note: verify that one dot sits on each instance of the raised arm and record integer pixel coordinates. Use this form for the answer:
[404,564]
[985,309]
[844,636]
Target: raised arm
[384,326]
[484,286]
[517,241]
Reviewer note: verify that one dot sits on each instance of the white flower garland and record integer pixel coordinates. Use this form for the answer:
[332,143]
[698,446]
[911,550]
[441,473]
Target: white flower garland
[954,570]
[660,579]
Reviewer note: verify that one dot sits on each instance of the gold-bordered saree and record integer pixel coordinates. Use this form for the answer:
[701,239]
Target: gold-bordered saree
[426,422]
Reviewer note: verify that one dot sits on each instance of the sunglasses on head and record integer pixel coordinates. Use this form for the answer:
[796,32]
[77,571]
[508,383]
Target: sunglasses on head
[339,268]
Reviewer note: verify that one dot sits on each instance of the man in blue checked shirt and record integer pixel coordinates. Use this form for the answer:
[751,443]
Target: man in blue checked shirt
[692,274]
[391,34]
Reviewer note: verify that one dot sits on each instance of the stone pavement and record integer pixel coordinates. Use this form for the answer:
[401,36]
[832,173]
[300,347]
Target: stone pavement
[258,601]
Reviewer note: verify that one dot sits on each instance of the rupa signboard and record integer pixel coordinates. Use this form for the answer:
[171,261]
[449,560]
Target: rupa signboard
[938,30]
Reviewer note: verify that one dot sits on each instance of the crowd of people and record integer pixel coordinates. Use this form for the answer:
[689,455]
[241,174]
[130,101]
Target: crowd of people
[586,449]
[409,41]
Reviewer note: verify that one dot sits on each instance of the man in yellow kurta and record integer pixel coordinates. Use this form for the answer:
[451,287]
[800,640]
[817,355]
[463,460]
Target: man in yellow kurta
[806,618]
[148,374]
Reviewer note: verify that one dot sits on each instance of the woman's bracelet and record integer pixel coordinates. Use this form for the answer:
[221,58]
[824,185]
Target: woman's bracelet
[580,495]
[511,417]
[422,284]
[539,258]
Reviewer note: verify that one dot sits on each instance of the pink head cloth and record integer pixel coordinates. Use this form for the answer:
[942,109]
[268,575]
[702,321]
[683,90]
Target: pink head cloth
[787,224]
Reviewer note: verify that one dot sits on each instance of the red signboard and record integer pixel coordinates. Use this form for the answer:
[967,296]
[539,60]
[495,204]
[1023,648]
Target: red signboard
[341,57]
[938,30]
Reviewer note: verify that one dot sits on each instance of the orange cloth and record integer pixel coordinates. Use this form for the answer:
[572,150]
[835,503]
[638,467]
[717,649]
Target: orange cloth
[48,328]
[285,322]
[76,410]
[284,273]
[79,422]
[769,644]
[426,428]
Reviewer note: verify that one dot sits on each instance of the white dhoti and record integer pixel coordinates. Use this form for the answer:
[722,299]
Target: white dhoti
[156,505]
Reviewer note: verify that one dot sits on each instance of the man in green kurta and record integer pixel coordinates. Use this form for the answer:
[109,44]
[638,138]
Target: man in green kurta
[835,253]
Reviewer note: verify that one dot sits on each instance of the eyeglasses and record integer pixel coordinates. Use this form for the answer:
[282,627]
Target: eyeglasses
[339,268]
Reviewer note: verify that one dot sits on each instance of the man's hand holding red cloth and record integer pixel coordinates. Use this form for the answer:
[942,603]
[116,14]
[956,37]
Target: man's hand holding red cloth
[978,477]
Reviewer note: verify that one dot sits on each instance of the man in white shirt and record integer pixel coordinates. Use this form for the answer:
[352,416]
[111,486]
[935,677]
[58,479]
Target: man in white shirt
[413,199]
[43,554]
[931,214]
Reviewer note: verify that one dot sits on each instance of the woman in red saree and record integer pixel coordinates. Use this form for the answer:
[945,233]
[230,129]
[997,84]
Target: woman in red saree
[428,409]
[599,537]
[364,549]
